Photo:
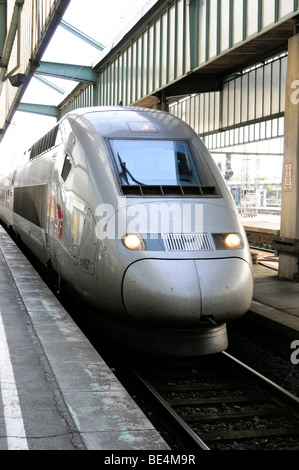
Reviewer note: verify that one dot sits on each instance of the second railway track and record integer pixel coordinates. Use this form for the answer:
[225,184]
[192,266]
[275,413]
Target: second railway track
[218,403]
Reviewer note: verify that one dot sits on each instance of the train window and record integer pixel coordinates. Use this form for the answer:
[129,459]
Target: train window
[154,162]
[67,166]
[44,144]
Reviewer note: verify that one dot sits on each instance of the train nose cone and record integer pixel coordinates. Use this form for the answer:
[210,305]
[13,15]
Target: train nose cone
[163,291]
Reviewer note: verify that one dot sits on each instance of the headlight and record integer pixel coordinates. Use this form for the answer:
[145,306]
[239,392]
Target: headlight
[228,241]
[133,242]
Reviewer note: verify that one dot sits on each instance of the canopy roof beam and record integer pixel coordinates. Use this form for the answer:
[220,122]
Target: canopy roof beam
[49,84]
[81,35]
[77,73]
[43,109]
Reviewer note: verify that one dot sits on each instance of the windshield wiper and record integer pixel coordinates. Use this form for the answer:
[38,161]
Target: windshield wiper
[127,172]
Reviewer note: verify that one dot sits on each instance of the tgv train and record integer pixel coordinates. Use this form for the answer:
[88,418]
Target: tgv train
[127,206]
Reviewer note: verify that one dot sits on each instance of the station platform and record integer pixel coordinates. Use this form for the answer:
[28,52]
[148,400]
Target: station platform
[56,392]
[263,222]
[261,228]
[275,301]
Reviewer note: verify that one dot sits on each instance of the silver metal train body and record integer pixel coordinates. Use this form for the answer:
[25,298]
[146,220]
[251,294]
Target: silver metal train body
[127,206]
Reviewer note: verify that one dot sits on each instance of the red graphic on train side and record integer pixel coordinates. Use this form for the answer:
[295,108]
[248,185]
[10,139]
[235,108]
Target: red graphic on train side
[58,222]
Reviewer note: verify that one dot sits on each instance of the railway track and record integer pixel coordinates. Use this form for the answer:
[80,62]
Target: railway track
[218,403]
[213,402]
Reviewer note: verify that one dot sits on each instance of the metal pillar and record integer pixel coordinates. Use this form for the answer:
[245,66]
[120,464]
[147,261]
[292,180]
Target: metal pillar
[162,104]
[288,242]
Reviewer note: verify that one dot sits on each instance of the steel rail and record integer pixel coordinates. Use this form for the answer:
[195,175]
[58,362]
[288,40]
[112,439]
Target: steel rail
[192,438]
[276,393]
[282,394]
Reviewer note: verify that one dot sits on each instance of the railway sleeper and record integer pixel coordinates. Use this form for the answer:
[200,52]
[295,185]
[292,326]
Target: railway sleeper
[207,417]
[249,434]
[215,400]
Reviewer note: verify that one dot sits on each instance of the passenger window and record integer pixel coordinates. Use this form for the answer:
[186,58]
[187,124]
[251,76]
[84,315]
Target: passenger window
[67,166]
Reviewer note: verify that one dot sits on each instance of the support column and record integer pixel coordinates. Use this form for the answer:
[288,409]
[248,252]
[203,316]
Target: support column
[289,229]
[162,105]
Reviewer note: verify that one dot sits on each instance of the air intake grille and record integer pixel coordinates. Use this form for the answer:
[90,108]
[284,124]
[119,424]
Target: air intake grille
[187,242]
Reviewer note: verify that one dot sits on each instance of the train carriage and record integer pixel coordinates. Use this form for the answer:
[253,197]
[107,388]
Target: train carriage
[127,206]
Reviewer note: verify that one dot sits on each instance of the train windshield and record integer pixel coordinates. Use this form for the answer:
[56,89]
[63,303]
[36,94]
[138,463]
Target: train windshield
[154,162]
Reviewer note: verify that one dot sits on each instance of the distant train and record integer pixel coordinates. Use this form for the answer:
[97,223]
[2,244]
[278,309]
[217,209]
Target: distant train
[127,206]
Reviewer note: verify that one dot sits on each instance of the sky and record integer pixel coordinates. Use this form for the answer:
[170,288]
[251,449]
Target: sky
[101,20]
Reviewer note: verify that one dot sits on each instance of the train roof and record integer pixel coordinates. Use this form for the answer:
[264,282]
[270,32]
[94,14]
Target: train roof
[104,109]
[162,122]
[130,119]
